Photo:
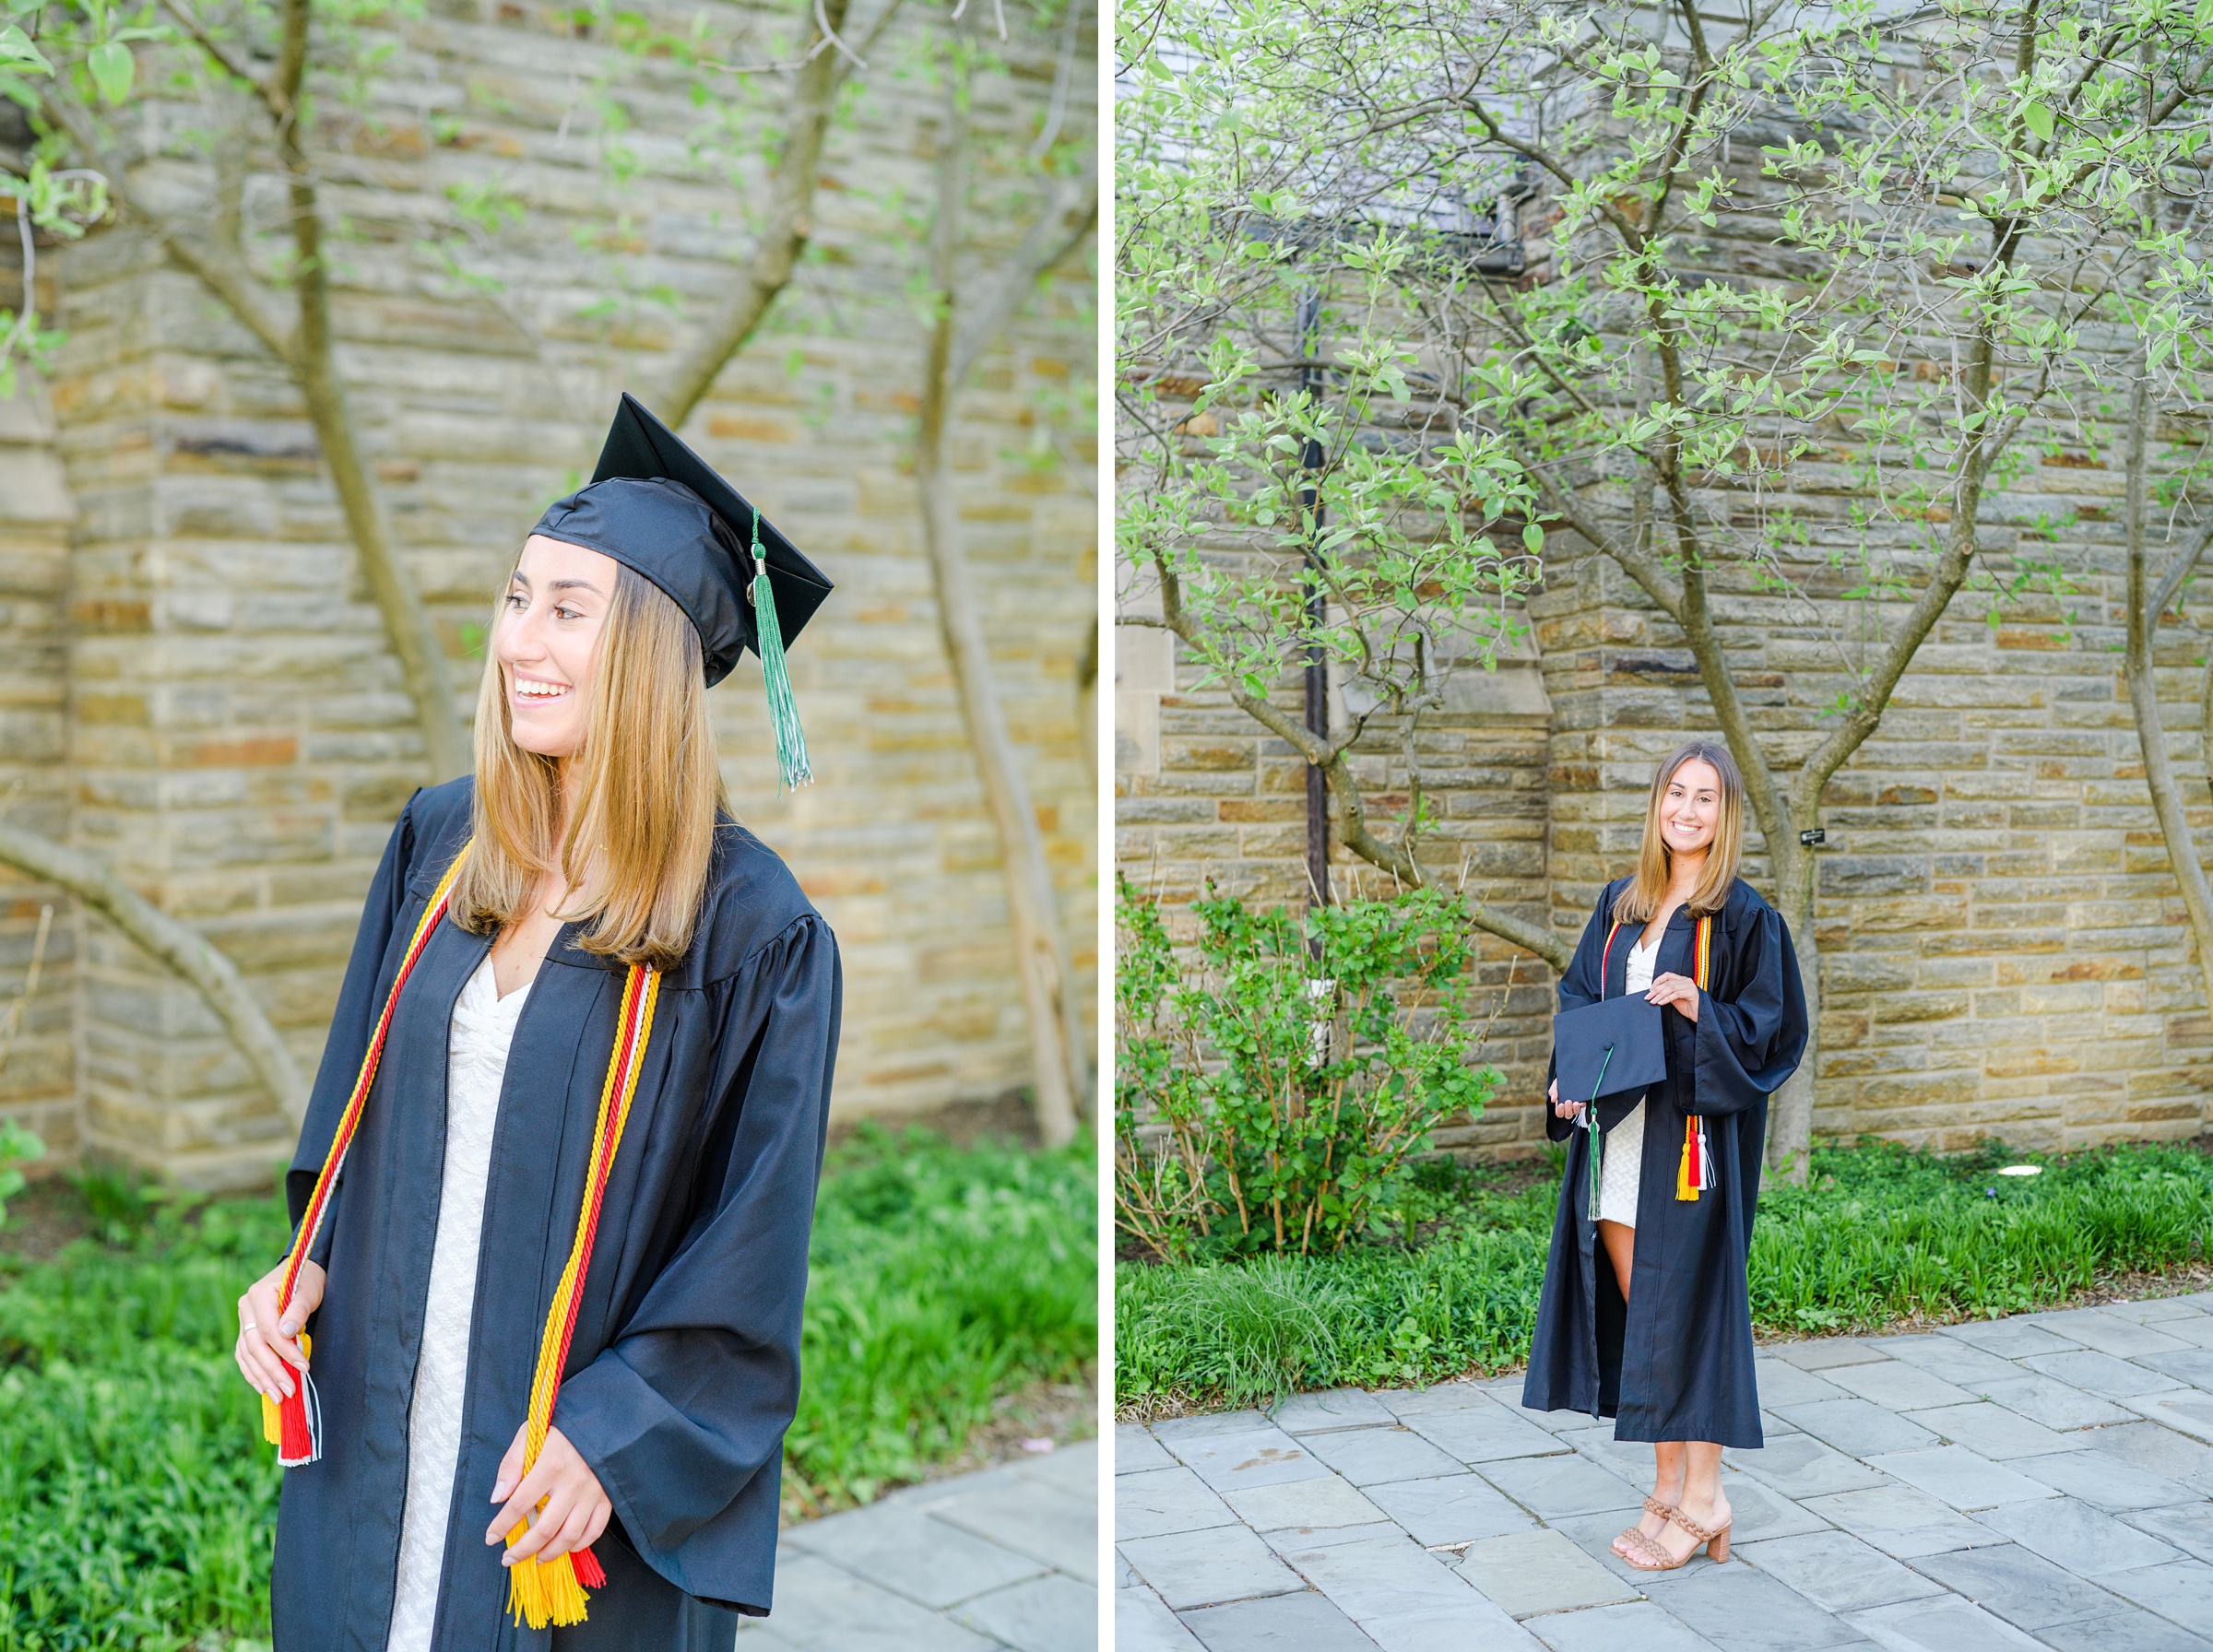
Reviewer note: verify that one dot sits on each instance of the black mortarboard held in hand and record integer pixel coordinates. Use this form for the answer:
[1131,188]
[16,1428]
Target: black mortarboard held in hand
[658,509]
[1611,1048]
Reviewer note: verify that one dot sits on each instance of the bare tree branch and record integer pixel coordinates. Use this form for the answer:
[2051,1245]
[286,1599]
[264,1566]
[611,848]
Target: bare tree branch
[174,945]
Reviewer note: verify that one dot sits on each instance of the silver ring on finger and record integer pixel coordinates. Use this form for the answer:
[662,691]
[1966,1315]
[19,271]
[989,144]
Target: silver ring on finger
[246,1326]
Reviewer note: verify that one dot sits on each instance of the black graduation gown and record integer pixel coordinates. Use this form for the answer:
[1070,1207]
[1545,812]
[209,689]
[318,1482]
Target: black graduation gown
[1677,1364]
[685,1369]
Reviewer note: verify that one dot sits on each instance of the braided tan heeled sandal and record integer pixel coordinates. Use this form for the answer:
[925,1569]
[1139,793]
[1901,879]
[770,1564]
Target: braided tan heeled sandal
[1651,1557]
[1716,1542]
[1635,1537]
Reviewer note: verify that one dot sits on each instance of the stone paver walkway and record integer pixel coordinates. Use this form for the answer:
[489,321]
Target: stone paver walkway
[2040,1481]
[1005,1558]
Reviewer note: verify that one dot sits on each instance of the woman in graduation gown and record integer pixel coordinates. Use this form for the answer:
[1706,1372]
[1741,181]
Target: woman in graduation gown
[1645,1316]
[597,838]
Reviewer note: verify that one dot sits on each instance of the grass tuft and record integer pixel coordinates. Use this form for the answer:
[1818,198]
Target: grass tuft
[138,1501]
[1882,1235]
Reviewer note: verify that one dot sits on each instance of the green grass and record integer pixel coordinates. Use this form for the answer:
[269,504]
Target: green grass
[1881,1235]
[138,1501]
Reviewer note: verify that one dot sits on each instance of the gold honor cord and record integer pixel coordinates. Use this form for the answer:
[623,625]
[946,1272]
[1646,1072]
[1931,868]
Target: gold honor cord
[542,1592]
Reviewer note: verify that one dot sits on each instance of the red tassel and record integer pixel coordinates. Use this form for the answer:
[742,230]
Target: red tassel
[291,1417]
[588,1570]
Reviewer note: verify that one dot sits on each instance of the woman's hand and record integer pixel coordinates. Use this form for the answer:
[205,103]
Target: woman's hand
[574,1512]
[267,1342]
[1565,1109]
[1679,990]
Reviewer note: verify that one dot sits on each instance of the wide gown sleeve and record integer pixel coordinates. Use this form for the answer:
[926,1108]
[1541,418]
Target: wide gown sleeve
[352,1023]
[1579,986]
[1744,1049]
[692,1397]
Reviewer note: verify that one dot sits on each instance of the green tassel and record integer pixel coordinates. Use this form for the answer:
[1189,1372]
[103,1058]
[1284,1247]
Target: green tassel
[783,710]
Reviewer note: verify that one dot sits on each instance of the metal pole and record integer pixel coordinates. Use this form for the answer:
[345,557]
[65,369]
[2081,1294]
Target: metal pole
[1318,671]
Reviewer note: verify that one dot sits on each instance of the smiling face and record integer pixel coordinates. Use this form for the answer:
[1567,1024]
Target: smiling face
[1690,811]
[547,642]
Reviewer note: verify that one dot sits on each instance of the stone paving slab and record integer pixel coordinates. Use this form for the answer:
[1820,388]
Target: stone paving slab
[1001,1561]
[2043,1481]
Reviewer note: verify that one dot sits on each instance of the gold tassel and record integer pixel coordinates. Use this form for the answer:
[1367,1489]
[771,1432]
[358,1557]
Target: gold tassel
[1684,1187]
[542,1592]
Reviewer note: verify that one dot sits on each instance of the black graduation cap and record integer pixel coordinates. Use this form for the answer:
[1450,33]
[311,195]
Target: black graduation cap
[1609,1047]
[658,509]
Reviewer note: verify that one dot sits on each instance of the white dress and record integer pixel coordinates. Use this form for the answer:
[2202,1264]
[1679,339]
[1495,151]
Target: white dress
[1622,1156]
[476,1062]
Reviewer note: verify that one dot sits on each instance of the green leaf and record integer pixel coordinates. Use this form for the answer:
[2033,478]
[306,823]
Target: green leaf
[112,70]
[1533,537]
[2037,119]
[17,53]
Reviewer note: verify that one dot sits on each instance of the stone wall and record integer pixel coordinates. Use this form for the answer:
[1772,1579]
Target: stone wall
[2005,950]
[237,738]
[38,1034]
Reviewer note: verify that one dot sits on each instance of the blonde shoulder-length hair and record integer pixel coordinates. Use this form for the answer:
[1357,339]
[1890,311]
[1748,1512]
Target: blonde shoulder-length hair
[1641,898]
[642,836]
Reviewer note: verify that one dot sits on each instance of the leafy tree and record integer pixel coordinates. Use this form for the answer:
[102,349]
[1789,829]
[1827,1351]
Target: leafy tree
[1798,252]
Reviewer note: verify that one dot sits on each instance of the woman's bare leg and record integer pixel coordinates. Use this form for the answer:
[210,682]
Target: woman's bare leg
[1701,1500]
[1620,1240]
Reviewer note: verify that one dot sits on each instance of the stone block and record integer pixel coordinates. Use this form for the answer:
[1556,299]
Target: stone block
[1638,1623]
[2111,1334]
[1800,1466]
[2188,1527]
[1991,1431]
[2055,1404]
[1470,1424]
[1041,1614]
[1902,1523]
[1325,1501]
[1402,1598]
[1135,1450]
[2099,1374]
[2130,1631]
[1142,1622]
[2011,1583]
[1741,1610]
[1152,1501]
[1370,1455]
[2070,1533]
[1047,1525]
[1550,1487]
[1954,1475]
[898,1546]
[820,1606]
[1837,1571]
[1306,1620]
[1897,1386]
[1450,1508]
[1942,1624]
[1257,1455]
[1856,1427]
[1531,1574]
[1201,1568]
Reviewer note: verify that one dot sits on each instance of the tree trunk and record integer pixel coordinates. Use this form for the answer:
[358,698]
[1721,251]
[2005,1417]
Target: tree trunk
[183,948]
[2143,610]
[314,366]
[1058,1071]
[788,223]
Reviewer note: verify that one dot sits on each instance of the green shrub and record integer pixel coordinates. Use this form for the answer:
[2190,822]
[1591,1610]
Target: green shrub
[137,1500]
[1275,1094]
[1882,1235]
